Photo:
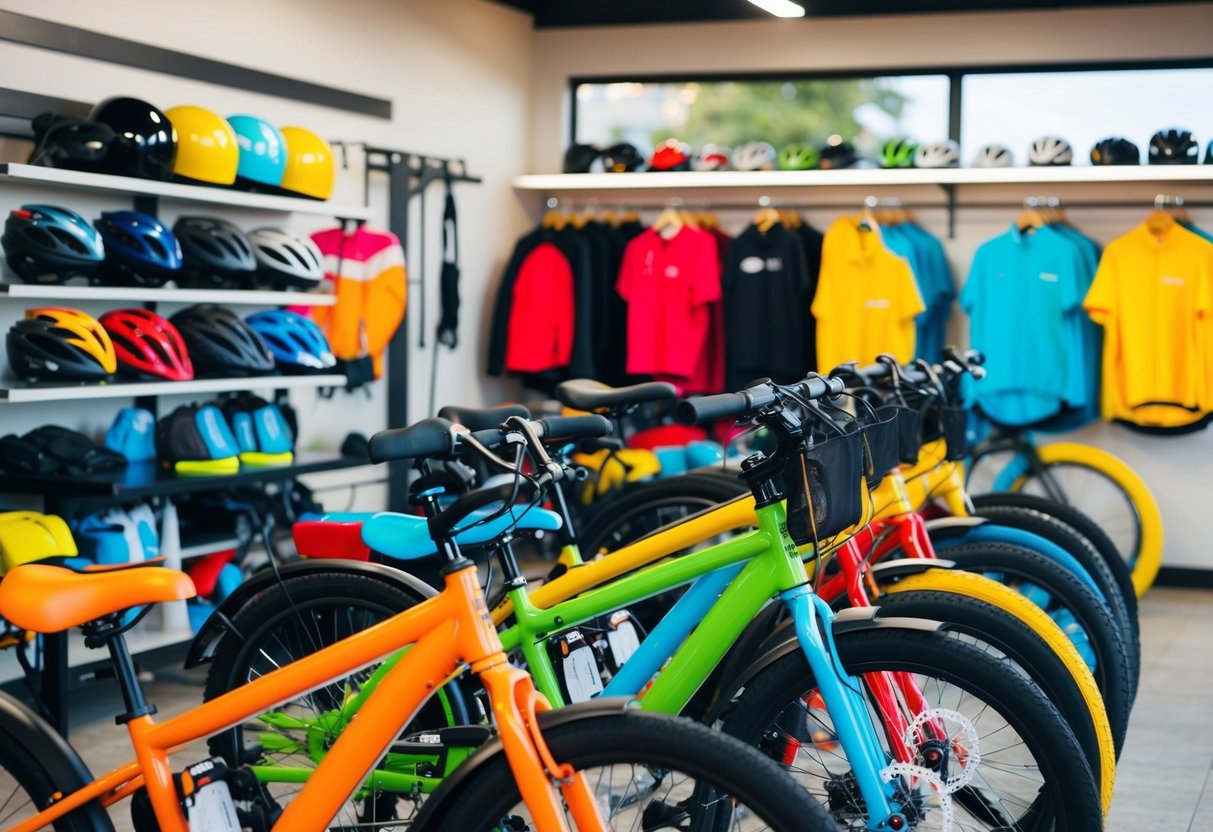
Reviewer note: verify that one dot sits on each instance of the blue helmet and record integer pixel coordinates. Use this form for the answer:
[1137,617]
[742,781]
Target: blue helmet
[262,151]
[47,243]
[139,249]
[296,343]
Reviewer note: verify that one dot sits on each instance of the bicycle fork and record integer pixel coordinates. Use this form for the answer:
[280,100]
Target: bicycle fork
[843,698]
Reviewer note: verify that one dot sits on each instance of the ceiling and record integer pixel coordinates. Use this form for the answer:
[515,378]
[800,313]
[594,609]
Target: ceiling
[553,13]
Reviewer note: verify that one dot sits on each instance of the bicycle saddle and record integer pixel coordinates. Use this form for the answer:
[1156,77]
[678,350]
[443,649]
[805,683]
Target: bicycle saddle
[587,394]
[50,599]
[475,419]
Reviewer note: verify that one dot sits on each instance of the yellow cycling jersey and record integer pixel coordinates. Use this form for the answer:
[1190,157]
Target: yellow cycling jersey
[1153,295]
[866,298]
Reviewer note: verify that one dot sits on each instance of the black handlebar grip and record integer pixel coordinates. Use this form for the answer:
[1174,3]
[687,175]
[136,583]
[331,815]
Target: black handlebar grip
[701,409]
[573,427]
[429,437]
[478,419]
[815,387]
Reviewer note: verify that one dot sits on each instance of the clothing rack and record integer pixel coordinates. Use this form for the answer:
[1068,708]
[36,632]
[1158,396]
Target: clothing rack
[409,175]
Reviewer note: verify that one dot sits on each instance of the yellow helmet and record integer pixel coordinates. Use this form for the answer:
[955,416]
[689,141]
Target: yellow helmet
[79,330]
[206,146]
[309,164]
[28,536]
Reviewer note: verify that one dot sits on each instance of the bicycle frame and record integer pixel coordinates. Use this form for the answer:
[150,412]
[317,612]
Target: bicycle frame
[448,634]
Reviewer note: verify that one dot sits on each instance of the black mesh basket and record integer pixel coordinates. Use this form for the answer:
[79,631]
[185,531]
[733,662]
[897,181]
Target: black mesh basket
[954,425]
[881,444]
[824,484]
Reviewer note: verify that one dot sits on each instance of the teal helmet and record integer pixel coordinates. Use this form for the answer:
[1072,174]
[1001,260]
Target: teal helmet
[898,153]
[262,151]
[797,156]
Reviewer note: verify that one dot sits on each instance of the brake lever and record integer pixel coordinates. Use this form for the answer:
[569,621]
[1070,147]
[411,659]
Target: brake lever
[551,471]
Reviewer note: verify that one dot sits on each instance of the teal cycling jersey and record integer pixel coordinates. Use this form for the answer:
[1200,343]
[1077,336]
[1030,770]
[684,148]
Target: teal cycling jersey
[931,272]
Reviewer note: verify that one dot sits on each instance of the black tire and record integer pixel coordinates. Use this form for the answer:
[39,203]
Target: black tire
[1066,594]
[1079,522]
[999,631]
[286,622]
[719,764]
[1067,798]
[26,788]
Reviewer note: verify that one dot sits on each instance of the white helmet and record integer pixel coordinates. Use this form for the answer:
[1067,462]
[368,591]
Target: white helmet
[937,155]
[994,156]
[754,156]
[1050,150]
[711,157]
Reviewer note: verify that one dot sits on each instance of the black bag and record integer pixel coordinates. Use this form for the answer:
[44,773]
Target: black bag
[882,444]
[824,484]
[70,452]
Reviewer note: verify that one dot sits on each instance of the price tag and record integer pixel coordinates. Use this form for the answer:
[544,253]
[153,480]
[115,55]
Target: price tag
[211,809]
[581,675]
[624,641]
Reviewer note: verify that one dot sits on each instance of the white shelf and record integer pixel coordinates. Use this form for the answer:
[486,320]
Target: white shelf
[18,392]
[869,178]
[136,294]
[14,172]
[145,637]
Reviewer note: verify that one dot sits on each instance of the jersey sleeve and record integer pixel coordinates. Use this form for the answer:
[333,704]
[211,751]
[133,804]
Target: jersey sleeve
[705,282]
[625,284]
[973,291]
[825,301]
[910,297]
[1100,301]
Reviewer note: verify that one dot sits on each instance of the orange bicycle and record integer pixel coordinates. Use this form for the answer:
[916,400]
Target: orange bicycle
[599,767]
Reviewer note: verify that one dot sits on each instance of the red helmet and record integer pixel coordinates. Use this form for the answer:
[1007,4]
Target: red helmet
[671,155]
[147,344]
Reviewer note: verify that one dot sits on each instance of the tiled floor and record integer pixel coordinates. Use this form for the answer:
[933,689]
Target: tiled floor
[1165,778]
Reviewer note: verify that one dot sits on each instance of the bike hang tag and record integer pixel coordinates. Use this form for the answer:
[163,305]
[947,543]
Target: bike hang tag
[578,667]
[207,799]
[622,637]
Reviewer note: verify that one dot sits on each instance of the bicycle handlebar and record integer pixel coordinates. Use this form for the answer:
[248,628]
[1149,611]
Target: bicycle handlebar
[701,409]
[438,437]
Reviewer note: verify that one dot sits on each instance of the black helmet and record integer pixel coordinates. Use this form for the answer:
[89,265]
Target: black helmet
[215,254]
[44,348]
[144,144]
[579,158]
[837,154]
[622,158]
[1173,147]
[66,141]
[1209,154]
[219,343]
[48,243]
[1115,151]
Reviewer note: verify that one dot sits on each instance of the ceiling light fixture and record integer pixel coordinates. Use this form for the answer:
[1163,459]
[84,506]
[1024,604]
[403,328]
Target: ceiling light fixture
[780,8]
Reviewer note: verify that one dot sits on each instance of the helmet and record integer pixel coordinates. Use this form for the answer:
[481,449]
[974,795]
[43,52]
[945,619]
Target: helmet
[579,158]
[287,259]
[622,158]
[296,342]
[139,250]
[1115,151]
[671,155]
[798,157]
[132,434]
[55,342]
[42,242]
[215,253]
[144,143]
[945,154]
[1209,154]
[262,151]
[837,154]
[898,153]
[754,156]
[309,164]
[195,439]
[28,536]
[711,157]
[1050,150]
[994,156]
[147,345]
[66,141]
[1175,146]
[206,146]
[221,343]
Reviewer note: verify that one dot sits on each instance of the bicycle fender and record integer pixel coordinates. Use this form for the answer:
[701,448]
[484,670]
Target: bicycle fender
[438,802]
[218,624]
[952,526]
[904,567]
[850,620]
[22,727]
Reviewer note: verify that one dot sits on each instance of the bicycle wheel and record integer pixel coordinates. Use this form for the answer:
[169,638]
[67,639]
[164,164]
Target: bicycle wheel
[285,623]
[1075,608]
[1112,494]
[648,771]
[27,787]
[1018,764]
[1050,661]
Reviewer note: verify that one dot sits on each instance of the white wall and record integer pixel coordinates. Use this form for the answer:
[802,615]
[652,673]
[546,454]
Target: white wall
[1178,469]
[458,74]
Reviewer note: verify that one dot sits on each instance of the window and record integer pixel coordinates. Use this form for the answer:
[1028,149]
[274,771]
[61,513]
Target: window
[866,110]
[1014,109]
